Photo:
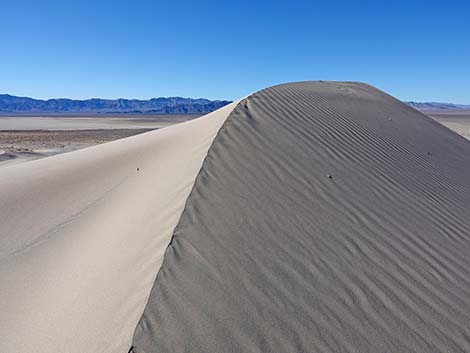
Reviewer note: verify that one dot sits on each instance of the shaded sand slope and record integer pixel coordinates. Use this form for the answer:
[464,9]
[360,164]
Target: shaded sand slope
[327,217]
[82,236]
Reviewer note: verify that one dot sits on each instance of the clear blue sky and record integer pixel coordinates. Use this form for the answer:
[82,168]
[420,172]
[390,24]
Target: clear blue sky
[415,50]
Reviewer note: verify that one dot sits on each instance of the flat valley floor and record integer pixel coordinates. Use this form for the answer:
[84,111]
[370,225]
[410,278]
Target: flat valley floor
[24,138]
[457,121]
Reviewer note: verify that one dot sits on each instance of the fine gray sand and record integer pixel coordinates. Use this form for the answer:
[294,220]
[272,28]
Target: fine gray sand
[308,217]
[327,217]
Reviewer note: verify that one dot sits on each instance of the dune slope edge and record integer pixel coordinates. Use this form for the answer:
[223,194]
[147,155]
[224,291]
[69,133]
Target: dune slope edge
[82,236]
[327,217]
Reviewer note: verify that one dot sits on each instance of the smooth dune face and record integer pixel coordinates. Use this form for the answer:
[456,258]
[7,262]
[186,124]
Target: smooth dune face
[82,236]
[327,217]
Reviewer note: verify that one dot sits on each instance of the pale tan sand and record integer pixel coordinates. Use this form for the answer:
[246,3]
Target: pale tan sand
[20,146]
[26,138]
[82,236]
[458,121]
[90,122]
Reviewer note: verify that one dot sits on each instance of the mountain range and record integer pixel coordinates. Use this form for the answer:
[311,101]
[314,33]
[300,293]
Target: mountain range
[162,105]
[438,106]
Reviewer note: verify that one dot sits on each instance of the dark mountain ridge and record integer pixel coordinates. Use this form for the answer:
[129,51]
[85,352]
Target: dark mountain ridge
[162,105]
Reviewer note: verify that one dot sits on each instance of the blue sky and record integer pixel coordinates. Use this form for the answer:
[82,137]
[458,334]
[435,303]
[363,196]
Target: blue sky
[415,50]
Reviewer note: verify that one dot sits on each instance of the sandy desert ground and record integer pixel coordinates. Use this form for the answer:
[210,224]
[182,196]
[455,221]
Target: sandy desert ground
[90,122]
[22,145]
[457,121]
[24,138]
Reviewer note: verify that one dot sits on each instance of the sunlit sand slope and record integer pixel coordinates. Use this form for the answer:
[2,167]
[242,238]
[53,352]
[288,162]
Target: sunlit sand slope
[82,236]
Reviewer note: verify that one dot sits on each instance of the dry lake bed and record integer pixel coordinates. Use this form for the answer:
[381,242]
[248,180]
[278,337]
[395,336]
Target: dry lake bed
[458,121]
[25,138]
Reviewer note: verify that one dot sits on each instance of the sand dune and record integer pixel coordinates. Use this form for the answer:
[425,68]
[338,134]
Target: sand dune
[308,217]
[83,234]
[326,218]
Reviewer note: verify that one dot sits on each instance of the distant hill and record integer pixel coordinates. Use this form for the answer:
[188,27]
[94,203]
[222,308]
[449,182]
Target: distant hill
[170,105]
[438,106]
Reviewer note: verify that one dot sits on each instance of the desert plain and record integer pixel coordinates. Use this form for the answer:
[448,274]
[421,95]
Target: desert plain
[24,138]
[459,121]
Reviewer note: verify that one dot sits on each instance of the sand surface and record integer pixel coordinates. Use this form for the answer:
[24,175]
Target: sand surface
[90,122]
[327,217]
[17,146]
[458,121]
[308,217]
[60,134]
[83,235]
[25,138]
